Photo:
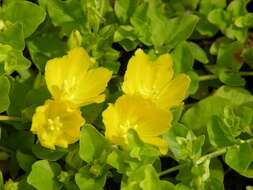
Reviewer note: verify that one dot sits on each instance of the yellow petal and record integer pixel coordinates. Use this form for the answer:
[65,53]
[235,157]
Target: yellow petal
[158,142]
[136,113]
[71,78]
[60,70]
[153,80]
[91,86]
[57,123]
[136,66]
[146,78]
[174,93]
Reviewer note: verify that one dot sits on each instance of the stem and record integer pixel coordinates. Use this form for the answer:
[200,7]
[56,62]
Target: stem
[170,170]
[246,73]
[207,77]
[204,158]
[6,149]
[211,155]
[212,77]
[9,118]
[219,152]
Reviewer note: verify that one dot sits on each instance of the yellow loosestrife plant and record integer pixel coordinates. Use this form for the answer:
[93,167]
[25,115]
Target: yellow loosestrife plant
[73,81]
[150,91]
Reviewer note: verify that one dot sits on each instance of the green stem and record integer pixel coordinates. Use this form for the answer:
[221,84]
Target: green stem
[170,170]
[207,77]
[9,118]
[212,77]
[246,73]
[211,155]
[219,152]
[6,149]
[204,158]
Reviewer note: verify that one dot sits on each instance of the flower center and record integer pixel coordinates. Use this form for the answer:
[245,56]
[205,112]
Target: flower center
[54,124]
[150,93]
[125,127]
[68,87]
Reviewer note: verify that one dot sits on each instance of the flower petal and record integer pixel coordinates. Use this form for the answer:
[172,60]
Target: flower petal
[91,86]
[158,142]
[57,123]
[136,65]
[70,78]
[174,93]
[149,79]
[59,70]
[137,113]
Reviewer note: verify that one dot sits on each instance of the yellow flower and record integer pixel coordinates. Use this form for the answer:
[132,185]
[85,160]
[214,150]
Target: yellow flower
[142,115]
[57,123]
[154,80]
[74,78]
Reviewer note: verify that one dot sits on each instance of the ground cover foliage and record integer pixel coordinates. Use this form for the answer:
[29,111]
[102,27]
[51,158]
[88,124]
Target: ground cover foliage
[210,138]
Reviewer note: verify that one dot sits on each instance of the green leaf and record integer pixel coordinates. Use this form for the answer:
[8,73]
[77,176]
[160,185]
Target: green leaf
[17,93]
[73,159]
[13,35]
[181,186]
[229,62]
[43,175]
[173,137]
[219,134]
[140,21]
[92,144]
[220,18]
[208,5]
[239,157]
[24,11]
[229,55]
[137,149]
[21,139]
[126,36]
[182,58]
[25,161]
[167,185]
[24,185]
[231,78]
[214,184]
[180,29]
[5,49]
[214,105]
[11,185]
[247,56]
[144,178]
[1,181]
[66,14]
[67,179]
[205,109]
[216,170]
[236,95]
[92,112]
[86,181]
[44,153]
[41,51]
[124,9]
[198,53]
[118,160]
[4,91]
[158,23]
[15,61]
